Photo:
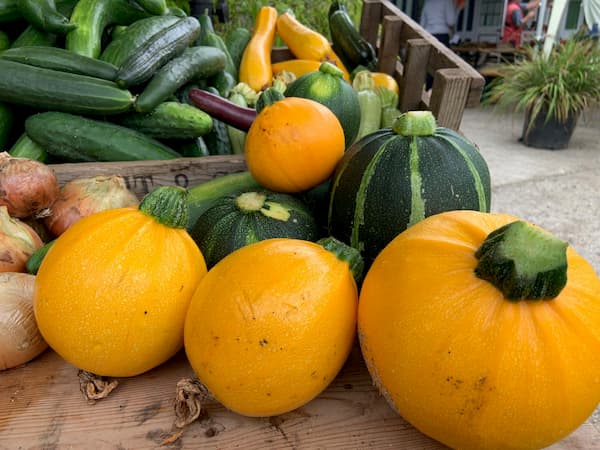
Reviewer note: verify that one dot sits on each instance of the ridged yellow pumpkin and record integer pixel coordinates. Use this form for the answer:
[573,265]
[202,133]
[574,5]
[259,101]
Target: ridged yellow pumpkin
[112,292]
[483,331]
[272,323]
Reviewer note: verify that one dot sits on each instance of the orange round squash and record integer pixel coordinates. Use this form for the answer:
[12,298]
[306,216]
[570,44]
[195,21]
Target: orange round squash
[483,331]
[294,144]
[271,325]
[112,292]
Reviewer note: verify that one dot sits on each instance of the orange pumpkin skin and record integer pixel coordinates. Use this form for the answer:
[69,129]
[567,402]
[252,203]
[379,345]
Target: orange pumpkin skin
[293,145]
[112,293]
[461,363]
[271,325]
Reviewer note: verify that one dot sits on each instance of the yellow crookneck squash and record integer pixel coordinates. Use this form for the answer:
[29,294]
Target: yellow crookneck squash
[112,292]
[483,331]
[255,65]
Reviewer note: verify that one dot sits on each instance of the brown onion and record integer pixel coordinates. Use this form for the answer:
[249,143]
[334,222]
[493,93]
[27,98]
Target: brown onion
[20,339]
[84,196]
[18,241]
[27,187]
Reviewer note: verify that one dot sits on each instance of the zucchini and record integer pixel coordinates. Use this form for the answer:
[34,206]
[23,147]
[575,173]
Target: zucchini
[162,47]
[170,120]
[194,148]
[92,17]
[50,89]
[370,103]
[194,62]
[214,40]
[206,26]
[133,37]
[223,81]
[9,11]
[236,42]
[346,39]
[237,138]
[80,139]
[6,123]
[31,36]
[203,196]
[44,15]
[62,60]
[24,147]
[217,140]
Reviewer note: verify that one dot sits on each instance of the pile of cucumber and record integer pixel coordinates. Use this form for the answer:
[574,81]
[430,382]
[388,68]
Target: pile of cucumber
[107,80]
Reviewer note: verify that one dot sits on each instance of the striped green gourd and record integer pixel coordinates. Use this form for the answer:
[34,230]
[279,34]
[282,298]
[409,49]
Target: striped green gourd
[238,219]
[395,177]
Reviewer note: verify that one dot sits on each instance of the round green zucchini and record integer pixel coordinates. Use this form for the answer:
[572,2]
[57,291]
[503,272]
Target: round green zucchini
[395,177]
[241,218]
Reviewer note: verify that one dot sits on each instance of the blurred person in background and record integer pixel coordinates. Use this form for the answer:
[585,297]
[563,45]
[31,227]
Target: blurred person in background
[518,15]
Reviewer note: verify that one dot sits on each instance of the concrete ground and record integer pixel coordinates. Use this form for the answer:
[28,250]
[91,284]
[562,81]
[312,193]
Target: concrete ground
[558,190]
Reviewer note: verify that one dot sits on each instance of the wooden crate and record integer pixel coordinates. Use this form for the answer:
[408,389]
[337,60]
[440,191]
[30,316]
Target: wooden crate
[408,52]
[41,406]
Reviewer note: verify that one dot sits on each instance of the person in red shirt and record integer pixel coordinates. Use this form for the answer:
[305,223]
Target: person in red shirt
[516,19]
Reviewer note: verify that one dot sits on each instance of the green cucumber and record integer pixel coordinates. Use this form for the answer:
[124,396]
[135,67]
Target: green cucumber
[79,139]
[223,81]
[6,123]
[24,147]
[194,62]
[217,140]
[134,36]
[154,7]
[194,148]
[206,26]
[162,47]
[62,60]
[92,17]
[44,15]
[61,91]
[9,11]
[4,41]
[237,137]
[170,120]
[31,36]
[237,41]
[204,195]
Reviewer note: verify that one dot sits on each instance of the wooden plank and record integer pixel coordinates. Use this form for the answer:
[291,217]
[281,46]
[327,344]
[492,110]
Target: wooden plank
[142,176]
[411,87]
[41,407]
[449,96]
[389,48]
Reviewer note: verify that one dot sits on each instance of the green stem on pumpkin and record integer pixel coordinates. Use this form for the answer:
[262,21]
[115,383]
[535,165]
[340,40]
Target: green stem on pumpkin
[415,123]
[331,69]
[168,205]
[524,262]
[268,97]
[345,253]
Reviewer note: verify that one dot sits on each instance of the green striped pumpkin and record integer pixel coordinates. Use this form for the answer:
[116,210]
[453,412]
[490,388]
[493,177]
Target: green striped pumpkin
[239,219]
[395,177]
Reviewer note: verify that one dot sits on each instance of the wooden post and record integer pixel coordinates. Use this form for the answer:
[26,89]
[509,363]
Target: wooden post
[390,44]
[413,78]
[449,97]
[369,20]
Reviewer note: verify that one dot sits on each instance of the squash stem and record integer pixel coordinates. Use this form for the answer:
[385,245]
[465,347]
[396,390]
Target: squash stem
[168,205]
[415,123]
[524,262]
[331,69]
[345,253]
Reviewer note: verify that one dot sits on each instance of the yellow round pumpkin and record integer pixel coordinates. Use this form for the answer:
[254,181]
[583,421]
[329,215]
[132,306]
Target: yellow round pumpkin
[112,292]
[271,325]
[293,145]
[483,346]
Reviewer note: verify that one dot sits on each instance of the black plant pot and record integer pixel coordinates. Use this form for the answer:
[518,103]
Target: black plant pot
[551,134]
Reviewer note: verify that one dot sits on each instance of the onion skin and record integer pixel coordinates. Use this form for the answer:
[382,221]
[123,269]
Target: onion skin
[84,196]
[18,241]
[20,339]
[27,187]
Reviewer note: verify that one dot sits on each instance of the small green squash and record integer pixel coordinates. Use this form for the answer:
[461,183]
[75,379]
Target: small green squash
[395,177]
[328,87]
[239,219]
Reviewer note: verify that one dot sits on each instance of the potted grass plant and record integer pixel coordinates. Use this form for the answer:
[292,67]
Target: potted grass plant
[552,91]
